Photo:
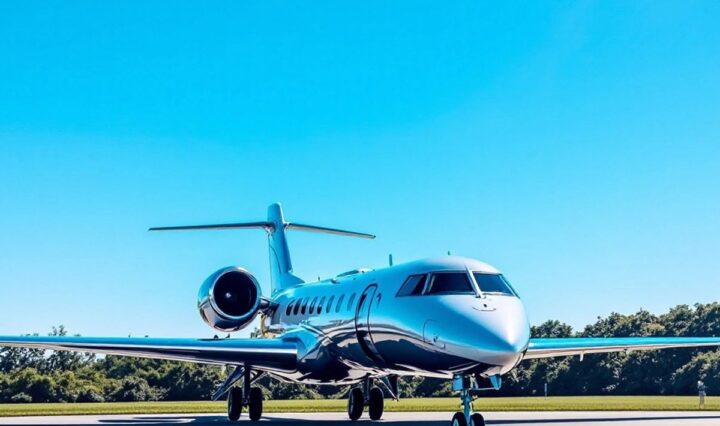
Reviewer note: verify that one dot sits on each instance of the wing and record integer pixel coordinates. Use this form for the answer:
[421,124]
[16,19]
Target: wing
[546,348]
[271,354]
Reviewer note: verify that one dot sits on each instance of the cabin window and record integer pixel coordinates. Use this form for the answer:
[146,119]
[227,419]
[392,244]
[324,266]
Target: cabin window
[350,302]
[312,306]
[320,305]
[340,300]
[288,310]
[493,284]
[329,305]
[304,305]
[413,285]
[450,283]
[296,309]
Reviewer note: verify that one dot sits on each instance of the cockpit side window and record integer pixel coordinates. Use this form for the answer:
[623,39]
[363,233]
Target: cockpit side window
[493,284]
[412,286]
[450,283]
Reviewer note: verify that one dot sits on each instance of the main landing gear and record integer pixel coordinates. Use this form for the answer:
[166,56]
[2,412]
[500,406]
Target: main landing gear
[247,396]
[372,396]
[253,402]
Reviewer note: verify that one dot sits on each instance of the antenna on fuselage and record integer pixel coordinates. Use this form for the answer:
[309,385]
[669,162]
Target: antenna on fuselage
[390,259]
[449,253]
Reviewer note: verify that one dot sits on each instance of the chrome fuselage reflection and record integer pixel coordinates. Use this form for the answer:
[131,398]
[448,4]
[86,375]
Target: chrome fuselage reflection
[357,325]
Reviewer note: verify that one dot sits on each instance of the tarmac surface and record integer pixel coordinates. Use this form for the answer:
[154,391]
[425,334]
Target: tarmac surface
[553,418]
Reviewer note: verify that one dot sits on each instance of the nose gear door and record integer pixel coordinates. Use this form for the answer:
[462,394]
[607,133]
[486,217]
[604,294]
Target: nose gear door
[362,323]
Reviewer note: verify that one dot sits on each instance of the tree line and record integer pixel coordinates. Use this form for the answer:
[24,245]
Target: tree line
[34,375]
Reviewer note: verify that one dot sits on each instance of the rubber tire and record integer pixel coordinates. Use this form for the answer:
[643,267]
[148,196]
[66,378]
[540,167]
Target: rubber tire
[255,404]
[376,401]
[356,404]
[458,420]
[235,404]
[477,420]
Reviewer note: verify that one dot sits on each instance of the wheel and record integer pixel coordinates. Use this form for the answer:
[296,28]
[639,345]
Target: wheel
[459,420]
[477,420]
[235,400]
[356,404]
[255,402]
[375,403]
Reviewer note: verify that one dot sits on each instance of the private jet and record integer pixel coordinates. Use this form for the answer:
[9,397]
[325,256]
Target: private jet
[448,317]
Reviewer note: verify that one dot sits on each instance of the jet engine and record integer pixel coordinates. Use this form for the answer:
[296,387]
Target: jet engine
[229,299]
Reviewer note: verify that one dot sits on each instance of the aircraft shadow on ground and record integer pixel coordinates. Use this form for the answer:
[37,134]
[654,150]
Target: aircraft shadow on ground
[222,420]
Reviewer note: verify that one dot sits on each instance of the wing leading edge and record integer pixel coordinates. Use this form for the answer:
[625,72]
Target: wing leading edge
[547,348]
[271,354]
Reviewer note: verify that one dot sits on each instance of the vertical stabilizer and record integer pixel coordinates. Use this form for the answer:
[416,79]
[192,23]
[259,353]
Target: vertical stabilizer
[280,264]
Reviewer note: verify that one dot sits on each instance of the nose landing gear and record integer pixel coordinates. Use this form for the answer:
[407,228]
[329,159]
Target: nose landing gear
[467,417]
[467,385]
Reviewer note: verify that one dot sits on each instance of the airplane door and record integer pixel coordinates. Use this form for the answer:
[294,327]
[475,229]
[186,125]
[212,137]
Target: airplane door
[362,323]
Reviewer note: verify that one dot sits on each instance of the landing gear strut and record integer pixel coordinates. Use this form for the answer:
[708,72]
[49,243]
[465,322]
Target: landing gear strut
[250,396]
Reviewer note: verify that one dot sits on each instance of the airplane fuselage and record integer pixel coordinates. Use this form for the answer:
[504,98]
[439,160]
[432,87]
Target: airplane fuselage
[357,325]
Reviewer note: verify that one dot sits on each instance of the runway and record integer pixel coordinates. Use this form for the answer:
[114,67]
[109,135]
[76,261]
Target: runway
[604,418]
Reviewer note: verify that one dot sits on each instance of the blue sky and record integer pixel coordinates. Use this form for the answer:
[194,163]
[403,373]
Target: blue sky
[574,145]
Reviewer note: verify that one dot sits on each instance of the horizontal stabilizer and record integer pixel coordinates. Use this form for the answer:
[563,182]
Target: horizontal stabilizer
[242,225]
[312,228]
[264,225]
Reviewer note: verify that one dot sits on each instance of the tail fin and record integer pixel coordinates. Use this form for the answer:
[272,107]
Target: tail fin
[281,275]
[280,265]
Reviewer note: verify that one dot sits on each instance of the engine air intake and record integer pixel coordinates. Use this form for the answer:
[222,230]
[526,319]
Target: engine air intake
[229,299]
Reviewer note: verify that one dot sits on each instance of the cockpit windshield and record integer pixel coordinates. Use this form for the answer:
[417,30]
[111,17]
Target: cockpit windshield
[493,284]
[455,282]
[450,283]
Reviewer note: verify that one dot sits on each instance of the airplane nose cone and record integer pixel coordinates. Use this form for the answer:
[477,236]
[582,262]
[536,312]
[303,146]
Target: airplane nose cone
[509,335]
[504,332]
[492,332]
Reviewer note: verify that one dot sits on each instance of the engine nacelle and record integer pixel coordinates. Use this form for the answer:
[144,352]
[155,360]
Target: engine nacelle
[229,299]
